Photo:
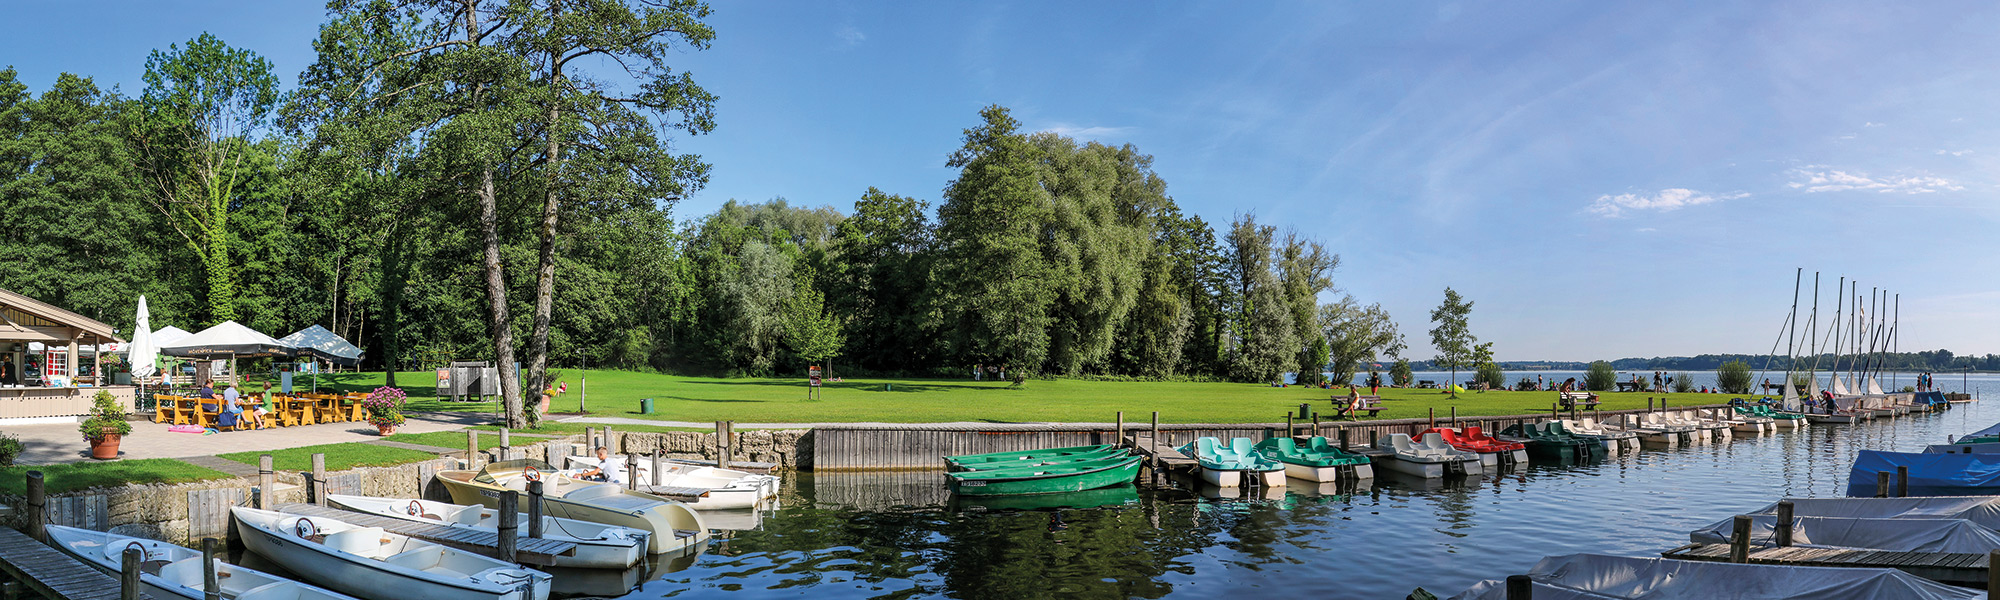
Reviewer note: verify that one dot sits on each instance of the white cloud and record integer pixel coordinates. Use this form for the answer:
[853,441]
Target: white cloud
[850,35]
[1953,152]
[1817,178]
[1076,131]
[1871,124]
[1666,200]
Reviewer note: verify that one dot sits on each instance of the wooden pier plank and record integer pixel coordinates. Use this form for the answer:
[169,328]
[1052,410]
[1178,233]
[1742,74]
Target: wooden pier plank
[528,550]
[51,573]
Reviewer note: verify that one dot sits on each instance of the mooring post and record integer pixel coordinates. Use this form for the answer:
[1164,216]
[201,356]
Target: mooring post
[319,478]
[1121,428]
[728,444]
[1902,481]
[1454,416]
[718,446]
[1555,412]
[1782,533]
[1520,587]
[632,471]
[659,475]
[128,573]
[1649,404]
[1156,430]
[1434,416]
[610,441]
[211,585]
[535,509]
[1881,484]
[1288,425]
[267,482]
[472,449]
[1992,574]
[505,443]
[1343,437]
[37,503]
[590,441]
[1739,540]
[510,525]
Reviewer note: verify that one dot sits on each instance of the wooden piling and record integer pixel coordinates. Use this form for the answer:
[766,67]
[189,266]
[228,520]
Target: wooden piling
[1434,416]
[472,449]
[319,479]
[1739,540]
[1781,534]
[728,444]
[267,482]
[37,507]
[1121,428]
[1156,429]
[590,441]
[510,525]
[1649,404]
[128,573]
[535,494]
[1454,416]
[211,584]
[1881,484]
[1992,574]
[1520,587]
[1343,437]
[1902,481]
[720,442]
[659,474]
[610,441]
[504,445]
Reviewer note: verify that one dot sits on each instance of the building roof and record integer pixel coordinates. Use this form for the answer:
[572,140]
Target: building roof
[24,318]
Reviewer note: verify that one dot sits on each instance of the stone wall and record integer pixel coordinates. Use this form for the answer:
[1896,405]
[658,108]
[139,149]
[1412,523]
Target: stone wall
[790,449]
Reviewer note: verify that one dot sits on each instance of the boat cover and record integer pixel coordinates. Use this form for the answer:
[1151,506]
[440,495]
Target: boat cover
[1932,398]
[1962,448]
[1994,430]
[1981,510]
[1930,474]
[1896,535]
[1600,577]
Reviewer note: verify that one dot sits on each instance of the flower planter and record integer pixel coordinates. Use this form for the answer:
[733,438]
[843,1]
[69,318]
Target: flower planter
[105,448]
[386,429]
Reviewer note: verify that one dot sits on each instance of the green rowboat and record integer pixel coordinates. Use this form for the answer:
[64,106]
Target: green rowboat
[1072,477]
[976,461]
[1114,455]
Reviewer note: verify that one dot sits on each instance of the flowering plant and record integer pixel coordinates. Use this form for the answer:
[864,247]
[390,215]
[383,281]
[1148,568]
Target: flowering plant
[385,406]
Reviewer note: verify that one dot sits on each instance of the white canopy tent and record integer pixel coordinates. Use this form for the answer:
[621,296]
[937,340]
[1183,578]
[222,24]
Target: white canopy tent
[229,340]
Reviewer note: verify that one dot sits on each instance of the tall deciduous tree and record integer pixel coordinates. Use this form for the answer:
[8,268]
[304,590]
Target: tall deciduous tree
[1306,268]
[997,285]
[201,110]
[1265,341]
[1357,334]
[879,280]
[1449,334]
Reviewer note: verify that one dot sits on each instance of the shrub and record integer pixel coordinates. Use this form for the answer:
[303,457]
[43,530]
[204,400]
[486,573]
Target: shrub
[1802,382]
[1600,377]
[9,448]
[1491,375]
[1909,388]
[1400,374]
[1683,383]
[106,414]
[1733,377]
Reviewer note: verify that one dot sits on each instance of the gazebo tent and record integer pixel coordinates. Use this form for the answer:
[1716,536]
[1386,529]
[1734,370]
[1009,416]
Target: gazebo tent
[319,343]
[228,340]
[169,335]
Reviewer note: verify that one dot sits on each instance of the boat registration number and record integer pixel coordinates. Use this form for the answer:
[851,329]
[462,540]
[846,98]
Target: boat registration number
[973,484]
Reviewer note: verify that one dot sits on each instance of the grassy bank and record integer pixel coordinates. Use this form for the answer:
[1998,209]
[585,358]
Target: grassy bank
[707,399]
[339,457]
[76,476]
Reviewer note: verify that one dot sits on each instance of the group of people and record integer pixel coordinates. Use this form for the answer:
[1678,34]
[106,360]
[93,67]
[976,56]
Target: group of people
[235,408]
[981,372]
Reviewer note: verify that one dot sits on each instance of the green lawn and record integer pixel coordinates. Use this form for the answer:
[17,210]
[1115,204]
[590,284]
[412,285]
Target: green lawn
[338,456]
[76,476]
[707,399]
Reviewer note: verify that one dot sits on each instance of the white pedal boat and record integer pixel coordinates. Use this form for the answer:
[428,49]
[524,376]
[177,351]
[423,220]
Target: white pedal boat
[598,546]
[1429,459]
[726,489]
[170,571]
[372,563]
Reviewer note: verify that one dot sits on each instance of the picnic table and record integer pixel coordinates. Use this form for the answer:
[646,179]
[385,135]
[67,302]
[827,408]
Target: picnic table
[1631,386]
[1343,409]
[1569,400]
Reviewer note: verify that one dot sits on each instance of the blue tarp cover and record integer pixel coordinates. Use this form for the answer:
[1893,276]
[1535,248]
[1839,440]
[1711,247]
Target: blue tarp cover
[1931,398]
[1930,474]
[1994,430]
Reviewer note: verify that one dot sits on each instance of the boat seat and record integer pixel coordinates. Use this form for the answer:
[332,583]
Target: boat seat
[186,571]
[363,541]
[276,590]
[422,559]
[467,516]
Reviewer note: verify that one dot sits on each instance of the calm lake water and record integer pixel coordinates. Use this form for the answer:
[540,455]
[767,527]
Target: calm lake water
[901,536]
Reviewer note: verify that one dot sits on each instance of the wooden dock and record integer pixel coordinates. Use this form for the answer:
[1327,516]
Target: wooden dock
[534,551]
[1943,567]
[1160,455]
[51,573]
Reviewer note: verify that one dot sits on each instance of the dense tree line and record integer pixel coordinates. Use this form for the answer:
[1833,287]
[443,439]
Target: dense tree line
[450,181]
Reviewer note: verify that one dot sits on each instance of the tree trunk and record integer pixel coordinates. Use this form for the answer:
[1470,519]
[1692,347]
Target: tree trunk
[545,276]
[221,291]
[496,294]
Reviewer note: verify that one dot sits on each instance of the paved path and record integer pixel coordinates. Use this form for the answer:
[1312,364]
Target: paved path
[61,443]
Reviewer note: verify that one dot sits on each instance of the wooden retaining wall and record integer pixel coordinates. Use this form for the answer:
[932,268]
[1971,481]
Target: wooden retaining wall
[917,446]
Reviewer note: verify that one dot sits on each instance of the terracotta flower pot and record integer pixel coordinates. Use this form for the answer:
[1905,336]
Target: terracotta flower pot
[385,429]
[105,448]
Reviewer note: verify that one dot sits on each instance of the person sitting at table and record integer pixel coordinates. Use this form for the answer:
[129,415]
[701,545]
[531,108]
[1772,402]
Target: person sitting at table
[251,408]
[232,408]
[606,469]
[207,392]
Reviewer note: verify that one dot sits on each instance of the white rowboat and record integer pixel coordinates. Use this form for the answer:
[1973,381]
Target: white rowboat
[372,563]
[170,571]
[598,546]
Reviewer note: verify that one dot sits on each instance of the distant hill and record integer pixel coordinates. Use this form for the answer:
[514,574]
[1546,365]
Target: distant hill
[1933,360]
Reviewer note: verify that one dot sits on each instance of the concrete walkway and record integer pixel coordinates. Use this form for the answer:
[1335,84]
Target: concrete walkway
[61,443]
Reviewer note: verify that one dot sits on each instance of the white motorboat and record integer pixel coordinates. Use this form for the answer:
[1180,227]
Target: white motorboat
[674,526]
[725,489]
[1430,458]
[373,563]
[170,571]
[598,546]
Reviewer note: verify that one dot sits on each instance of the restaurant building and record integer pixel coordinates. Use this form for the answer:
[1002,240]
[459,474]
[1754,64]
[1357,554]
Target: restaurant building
[44,375]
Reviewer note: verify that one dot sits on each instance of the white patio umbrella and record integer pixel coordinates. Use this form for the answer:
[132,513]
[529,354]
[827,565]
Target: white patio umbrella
[143,353]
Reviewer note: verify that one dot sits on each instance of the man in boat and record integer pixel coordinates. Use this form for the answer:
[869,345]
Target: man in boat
[607,470]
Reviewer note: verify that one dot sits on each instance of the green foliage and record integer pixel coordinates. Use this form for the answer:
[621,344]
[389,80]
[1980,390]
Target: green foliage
[1400,373]
[1733,377]
[1489,373]
[339,457]
[10,448]
[1683,383]
[996,286]
[1450,335]
[1312,360]
[1600,377]
[1262,327]
[107,416]
[1357,335]
[69,477]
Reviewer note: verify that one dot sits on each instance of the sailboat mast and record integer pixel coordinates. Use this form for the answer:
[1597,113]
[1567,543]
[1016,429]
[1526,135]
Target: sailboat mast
[1790,332]
[1840,301]
[1895,341]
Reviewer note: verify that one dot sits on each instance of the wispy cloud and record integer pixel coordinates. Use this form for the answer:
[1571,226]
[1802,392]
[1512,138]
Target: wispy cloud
[1871,124]
[1079,131]
[1818,178]
[1942,152]
[850,35]
[1666,200]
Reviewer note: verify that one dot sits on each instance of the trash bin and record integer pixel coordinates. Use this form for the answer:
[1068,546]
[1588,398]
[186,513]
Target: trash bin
[645,406]
[886,387]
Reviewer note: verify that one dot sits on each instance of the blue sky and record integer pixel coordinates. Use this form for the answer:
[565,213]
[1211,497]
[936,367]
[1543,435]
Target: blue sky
[1602,179]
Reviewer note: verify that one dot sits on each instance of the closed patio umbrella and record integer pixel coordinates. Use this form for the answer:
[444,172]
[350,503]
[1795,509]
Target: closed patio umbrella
[143,353]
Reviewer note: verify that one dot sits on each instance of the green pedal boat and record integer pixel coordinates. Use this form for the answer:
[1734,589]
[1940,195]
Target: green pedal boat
[1318,461]
[1046,479]
[978,462]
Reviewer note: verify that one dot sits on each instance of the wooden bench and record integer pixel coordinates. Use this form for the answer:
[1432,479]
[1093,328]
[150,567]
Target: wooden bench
[1369,404]
[1569,400]
[1631,386]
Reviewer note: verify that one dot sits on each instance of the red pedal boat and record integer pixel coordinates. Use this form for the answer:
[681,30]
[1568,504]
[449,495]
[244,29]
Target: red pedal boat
[1491,451]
